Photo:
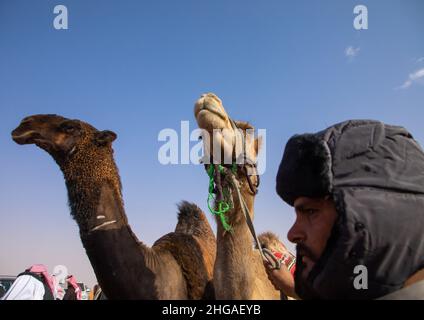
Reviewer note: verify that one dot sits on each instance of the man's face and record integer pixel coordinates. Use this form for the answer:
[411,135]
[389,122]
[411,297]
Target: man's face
[315,218]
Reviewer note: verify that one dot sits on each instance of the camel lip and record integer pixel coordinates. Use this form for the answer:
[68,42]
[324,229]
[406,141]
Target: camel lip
[207,108]
[26,137]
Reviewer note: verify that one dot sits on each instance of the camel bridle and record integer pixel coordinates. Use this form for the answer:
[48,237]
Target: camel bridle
[229,173]
[247,162]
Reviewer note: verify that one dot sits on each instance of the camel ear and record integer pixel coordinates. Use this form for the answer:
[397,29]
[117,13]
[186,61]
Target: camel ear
[258,144]
[102,138]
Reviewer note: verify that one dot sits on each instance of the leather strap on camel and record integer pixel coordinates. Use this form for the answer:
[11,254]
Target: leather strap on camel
[265,253]
[247,162]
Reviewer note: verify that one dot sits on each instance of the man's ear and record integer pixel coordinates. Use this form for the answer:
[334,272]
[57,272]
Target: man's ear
[102,138]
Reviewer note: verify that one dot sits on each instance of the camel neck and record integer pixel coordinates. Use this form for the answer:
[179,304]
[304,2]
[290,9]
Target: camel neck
[234,254]
[94,191]
[238,271]
[95,199]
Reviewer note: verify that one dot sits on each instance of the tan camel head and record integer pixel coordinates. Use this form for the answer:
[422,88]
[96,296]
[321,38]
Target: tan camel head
[59,136]
[272,242]
[212,118]
[210,113]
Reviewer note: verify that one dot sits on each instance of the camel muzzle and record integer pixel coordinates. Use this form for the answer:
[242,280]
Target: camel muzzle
[27,137]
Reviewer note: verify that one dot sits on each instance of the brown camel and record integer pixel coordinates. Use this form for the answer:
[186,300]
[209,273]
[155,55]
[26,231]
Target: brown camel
[178,266]
[273,243]
[239,272]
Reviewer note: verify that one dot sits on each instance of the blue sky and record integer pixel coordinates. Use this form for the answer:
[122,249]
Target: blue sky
[137,67]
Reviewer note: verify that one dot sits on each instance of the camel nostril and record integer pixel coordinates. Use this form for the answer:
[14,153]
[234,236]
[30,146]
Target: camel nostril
[16,133]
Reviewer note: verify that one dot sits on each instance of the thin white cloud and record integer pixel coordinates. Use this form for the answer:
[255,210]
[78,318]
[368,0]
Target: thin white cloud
[351,52]
[419,60]
[413,77]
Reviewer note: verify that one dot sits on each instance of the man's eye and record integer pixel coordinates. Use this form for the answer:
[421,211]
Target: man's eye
[311,211]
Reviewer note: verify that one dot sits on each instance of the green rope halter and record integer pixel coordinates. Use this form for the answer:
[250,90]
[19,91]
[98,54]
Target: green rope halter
[222,205]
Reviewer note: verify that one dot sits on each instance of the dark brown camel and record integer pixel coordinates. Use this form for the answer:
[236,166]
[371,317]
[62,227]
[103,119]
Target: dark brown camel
[178,266]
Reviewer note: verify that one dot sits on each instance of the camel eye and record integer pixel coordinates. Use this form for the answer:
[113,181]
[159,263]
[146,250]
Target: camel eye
[69,127]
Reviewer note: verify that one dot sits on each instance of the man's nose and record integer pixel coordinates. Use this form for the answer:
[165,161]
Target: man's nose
[295,234]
